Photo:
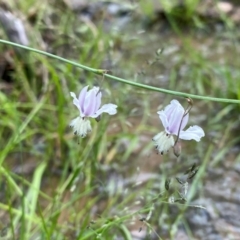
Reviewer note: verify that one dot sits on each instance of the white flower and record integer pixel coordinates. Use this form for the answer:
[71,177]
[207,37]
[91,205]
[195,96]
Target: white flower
[88,104]
[174,120]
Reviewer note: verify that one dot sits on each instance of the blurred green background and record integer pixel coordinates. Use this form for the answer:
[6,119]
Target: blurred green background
[112,184]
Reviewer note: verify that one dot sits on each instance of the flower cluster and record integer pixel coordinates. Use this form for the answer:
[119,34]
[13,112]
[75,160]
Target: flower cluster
[174,119]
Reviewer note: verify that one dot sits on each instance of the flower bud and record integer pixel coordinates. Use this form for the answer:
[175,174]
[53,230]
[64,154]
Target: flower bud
[177,149]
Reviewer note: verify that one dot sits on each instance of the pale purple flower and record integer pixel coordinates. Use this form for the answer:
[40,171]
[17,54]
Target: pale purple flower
[174,123]
[88,104]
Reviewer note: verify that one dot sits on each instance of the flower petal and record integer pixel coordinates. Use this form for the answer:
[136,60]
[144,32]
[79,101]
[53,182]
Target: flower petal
[170,107]
[163,142]
[90,102]
[107,108]
[171,117]
[184,122]
[175,120]
[75,101]
[164,119]
[99,100]
[82,96]
[81,126]
[194,132]
[98,96]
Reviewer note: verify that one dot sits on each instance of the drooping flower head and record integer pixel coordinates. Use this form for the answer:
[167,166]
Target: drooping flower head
[88,104]
[174,119]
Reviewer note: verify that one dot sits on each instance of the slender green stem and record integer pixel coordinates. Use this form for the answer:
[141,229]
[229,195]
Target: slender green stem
[104,72]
